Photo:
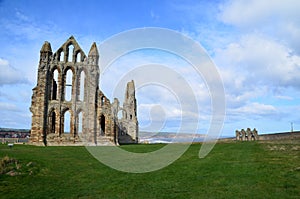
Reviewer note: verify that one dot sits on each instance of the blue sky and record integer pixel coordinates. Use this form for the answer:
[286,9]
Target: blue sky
[255,45]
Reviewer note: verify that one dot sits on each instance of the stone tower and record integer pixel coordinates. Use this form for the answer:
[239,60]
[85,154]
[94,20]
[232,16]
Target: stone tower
[68,108]
[129,105]
[39,101]
[129,120]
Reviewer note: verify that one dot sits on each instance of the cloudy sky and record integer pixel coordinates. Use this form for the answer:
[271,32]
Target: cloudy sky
[255,45]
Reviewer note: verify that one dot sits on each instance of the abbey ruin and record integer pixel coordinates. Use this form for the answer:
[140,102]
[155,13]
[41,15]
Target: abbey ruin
[247,135]
[67,106]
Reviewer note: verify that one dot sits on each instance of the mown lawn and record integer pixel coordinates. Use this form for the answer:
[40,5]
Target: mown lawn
[231,170]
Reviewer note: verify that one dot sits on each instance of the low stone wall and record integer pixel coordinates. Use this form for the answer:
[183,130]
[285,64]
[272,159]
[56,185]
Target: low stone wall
[280,136]
[14,140]
[272,136]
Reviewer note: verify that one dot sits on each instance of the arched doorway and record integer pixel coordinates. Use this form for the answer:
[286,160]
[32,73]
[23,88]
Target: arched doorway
[102,125]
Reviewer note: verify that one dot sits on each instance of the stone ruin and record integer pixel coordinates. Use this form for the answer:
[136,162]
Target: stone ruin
[247,135]
[67,106]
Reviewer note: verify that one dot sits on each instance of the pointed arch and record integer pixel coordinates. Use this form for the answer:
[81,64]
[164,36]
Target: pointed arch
[102,125]
[82,85]
[102,100]
[61,57]
[54,84]
[53,121]
[68,84]
[78,56]
[120,114]
[70,52]
[80,123]
[67,121]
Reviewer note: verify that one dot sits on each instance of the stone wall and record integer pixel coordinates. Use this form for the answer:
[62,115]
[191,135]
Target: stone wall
[281,136]
[67,87]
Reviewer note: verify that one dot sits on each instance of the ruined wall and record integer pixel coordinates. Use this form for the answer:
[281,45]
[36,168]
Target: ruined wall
[39,103]
[129,122]
[280,136]
[67,87]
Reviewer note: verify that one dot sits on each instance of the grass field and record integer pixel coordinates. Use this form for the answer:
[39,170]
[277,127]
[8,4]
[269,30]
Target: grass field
[231,170]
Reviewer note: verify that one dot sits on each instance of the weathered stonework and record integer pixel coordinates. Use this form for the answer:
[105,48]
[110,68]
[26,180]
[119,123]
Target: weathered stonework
[93,118]
[247,135]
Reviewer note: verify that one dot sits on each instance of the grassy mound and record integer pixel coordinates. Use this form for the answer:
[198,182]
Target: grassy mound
[231,170]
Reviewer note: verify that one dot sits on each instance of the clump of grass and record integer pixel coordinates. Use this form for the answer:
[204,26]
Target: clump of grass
[9,166]
[13,167]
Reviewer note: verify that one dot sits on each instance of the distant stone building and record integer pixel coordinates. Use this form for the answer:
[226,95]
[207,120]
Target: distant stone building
[67,106]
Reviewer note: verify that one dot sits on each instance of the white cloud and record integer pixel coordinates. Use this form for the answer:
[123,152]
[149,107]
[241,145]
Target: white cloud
[284,97]
[256,60]
[8,107]
[154,15]
[9,75]
[3,62]
[172,94]
[14,118]
[236,98]
[24,27]
[256,46]
[278,19]
[245,13]
[255,69]
[252,110]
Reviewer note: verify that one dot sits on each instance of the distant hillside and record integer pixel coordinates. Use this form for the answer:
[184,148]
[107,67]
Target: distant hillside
[275,136]
[280,136]
[168,137]
[13,130]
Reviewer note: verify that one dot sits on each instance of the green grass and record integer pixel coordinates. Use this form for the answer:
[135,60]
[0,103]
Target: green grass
[231,170]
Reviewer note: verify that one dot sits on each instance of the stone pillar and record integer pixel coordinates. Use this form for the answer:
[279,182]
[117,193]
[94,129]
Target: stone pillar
[92,76]
[130,108]
[39,100]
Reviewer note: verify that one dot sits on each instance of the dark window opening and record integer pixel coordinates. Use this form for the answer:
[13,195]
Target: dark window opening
[102,125]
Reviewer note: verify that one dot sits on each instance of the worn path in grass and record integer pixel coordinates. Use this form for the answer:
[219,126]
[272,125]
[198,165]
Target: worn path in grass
[231,170]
